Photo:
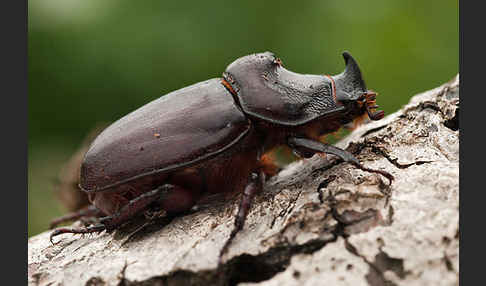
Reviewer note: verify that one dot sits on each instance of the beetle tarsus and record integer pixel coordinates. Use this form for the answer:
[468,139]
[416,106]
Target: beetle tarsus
[95,228]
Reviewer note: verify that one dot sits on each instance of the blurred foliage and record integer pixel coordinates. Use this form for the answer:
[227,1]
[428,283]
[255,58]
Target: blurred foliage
[92,61]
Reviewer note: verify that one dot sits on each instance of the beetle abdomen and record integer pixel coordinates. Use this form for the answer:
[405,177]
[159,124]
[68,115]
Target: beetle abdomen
[175,131]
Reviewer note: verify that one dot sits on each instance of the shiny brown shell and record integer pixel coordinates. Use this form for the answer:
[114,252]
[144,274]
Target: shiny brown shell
[266,90]
[175,131]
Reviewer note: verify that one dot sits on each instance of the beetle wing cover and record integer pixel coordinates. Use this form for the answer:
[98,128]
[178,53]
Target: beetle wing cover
[177,130]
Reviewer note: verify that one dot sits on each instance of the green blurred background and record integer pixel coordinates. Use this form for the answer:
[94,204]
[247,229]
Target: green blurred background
[93,61]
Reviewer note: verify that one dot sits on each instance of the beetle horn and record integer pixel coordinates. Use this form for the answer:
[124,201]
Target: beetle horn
[352,70]
[349,84]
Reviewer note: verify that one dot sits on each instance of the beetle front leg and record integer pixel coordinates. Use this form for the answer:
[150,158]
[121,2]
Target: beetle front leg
[254,186]
[308,145]
[126,212]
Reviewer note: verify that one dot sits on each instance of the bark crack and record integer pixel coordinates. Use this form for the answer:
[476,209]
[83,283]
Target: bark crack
[239,269]
[377,150]
[381,263]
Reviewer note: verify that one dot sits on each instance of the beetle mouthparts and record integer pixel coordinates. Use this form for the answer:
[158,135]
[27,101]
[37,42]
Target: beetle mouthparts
[370,104]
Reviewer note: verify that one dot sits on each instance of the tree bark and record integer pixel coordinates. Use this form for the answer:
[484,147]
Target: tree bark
[318,221]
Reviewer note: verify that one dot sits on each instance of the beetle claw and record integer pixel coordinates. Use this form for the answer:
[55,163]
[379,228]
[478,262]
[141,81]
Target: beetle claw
[54,233]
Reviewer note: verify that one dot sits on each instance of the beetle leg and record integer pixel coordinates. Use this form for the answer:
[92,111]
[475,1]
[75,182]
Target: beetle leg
[95,228]
[136,205]
[126,212]
[89,211]
[315,146]
[254,185]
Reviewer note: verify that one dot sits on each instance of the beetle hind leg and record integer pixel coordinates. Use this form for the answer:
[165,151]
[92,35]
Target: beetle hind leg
[129,210]
[87,213]
[90,229]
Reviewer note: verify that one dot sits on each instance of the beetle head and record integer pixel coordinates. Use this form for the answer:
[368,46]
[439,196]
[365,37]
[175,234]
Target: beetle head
[350,90]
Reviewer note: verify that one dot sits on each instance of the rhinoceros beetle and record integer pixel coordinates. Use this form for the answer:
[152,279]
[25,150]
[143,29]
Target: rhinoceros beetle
[210,138]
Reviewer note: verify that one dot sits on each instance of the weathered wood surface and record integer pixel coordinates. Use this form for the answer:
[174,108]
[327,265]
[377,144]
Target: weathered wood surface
[353,230]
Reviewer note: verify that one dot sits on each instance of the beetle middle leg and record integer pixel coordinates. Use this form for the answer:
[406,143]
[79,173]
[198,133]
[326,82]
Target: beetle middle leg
[254,186]
[129,210]
[308,146]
